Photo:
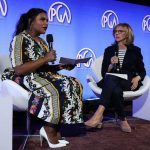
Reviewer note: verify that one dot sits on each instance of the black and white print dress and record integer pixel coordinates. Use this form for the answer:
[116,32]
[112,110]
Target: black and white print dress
[54,97]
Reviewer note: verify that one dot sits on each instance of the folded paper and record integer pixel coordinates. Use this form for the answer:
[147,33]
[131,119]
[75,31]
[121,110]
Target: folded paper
[70,61]
[123,76]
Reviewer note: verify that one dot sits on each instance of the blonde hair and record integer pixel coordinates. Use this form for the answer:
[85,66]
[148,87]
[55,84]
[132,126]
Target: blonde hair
[129,32]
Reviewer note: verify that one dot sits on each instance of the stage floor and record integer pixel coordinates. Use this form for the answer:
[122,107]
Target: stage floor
[110,137]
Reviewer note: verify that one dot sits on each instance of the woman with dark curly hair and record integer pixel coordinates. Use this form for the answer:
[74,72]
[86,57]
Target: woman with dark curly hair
[55,98]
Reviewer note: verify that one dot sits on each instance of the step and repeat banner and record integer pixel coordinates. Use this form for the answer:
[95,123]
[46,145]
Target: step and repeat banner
[80,29]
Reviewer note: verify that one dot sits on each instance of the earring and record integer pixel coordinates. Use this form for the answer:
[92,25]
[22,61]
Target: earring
[30,29]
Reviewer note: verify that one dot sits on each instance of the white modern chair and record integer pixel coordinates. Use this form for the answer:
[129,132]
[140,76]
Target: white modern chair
[18,95]
[128,95]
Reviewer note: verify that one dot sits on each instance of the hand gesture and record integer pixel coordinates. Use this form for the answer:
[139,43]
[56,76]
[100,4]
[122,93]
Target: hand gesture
[51,56]
[70,67]
[67,67]
[114,60]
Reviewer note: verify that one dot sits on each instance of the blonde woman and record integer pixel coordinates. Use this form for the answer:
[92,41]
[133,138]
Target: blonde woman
[125,58]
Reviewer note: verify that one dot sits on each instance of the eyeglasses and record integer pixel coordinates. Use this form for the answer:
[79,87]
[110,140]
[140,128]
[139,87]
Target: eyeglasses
[118,31]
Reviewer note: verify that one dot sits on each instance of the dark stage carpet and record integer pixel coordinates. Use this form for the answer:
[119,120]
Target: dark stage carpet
[110,137]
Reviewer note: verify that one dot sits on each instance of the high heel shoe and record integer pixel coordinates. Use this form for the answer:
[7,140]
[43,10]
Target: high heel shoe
[124,126]
[98,124]
[44,135]
[63,141]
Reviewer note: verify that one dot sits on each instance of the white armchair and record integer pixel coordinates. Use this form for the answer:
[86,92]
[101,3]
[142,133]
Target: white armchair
[17,95]
[128,95]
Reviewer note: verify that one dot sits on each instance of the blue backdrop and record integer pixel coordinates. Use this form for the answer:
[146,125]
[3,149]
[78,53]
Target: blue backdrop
[80,28]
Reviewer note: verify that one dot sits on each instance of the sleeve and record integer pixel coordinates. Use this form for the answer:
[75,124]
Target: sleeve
[140,65]
[16,50]
[106,62]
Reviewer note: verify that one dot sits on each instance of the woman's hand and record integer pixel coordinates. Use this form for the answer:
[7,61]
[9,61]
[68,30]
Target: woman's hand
[70,67]
[114,60]
[34,65]
[67,67]
[134,82]
[51,56]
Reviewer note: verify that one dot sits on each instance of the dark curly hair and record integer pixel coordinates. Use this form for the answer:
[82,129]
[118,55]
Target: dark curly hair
[26,19]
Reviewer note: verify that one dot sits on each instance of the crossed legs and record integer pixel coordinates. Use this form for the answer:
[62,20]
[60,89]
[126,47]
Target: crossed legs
[112,92]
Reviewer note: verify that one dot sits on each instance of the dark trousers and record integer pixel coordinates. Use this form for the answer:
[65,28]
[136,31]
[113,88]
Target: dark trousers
[112,93]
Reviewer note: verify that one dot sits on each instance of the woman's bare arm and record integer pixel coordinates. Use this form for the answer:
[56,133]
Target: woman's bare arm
[34,65]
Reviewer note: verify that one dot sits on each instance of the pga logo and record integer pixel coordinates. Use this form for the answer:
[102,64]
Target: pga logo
[84,53]
[3,7]
[146,23]
[59,12]
[109,19]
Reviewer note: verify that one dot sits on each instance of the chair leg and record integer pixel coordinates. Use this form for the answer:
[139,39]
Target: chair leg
[28,130]
[28,123]
[116,117]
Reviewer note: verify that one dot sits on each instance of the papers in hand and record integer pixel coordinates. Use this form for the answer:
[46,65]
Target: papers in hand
[124,76]
[69,61]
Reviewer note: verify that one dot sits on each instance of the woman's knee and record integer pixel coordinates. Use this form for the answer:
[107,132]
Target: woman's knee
[110,78]
[117,92]
[110,82]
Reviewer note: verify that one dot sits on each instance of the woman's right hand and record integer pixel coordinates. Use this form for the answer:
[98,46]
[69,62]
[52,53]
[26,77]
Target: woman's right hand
[114,60]
[34,65]
[51,56]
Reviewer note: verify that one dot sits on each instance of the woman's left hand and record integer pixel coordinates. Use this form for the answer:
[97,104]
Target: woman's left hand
[67,67]
[70,67]
[134,82]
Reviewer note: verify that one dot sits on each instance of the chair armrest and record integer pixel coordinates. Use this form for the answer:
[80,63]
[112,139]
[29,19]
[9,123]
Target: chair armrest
[89,78]
[18,94]
[140,91]
[93,85]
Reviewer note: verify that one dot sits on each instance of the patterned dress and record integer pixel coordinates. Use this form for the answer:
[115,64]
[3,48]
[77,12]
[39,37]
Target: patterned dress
[54,97]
